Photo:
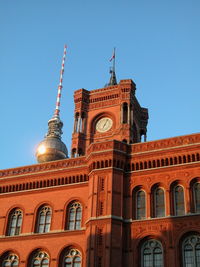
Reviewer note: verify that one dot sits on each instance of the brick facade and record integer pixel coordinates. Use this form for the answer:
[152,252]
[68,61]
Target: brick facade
[104,176]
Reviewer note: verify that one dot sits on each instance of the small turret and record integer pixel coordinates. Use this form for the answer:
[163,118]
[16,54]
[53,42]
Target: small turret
[113,79]
[52,148]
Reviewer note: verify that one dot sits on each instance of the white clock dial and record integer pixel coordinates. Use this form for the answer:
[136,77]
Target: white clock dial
[104,124]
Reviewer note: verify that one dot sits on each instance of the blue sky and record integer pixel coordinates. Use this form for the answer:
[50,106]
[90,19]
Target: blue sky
[157,45]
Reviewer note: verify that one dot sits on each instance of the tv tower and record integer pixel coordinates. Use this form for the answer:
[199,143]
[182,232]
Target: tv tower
[52,148]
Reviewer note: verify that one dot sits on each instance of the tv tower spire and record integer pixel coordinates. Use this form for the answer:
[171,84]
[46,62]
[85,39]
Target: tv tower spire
[52,148]
[57,110]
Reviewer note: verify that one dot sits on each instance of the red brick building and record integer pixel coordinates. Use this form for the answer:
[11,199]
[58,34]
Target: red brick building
[117,201]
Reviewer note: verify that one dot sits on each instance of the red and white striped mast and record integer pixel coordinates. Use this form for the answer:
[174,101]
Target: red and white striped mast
[55,124]
[57,110]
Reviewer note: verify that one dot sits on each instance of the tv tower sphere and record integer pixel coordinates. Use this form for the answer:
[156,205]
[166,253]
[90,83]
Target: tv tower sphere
[52,148]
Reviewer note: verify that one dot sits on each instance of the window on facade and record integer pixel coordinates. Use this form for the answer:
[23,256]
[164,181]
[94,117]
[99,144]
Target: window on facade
[80,152]
[196,193]
[140,205]
[72,258]
[125,113]
[11,260]
[43,220]
[179,205]
[152,254]
[76,120]
[40,259]
[191,251]
[74,216]
[73,154]
[83,117]
[14,222]
[159,202]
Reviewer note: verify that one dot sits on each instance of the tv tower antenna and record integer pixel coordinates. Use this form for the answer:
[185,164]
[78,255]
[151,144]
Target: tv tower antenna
[57,110]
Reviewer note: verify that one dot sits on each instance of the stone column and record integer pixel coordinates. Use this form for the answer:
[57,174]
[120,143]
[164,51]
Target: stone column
[187,200]
[79,124]
[121,112]
[131,115]
[128,119]
[148,201]
[167,203]
[75,124]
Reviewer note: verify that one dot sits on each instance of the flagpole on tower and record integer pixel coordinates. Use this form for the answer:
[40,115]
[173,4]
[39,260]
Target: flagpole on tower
[114,59]
[113,80]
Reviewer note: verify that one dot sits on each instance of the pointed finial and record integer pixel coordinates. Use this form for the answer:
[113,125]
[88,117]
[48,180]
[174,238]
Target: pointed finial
[57,110]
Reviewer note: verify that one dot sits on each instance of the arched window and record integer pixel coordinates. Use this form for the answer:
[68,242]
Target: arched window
[159,202]
[71,258]
[76,120]
[74,216]
[14,222]
[83,117]
[196,194]
[140,205]
[11,260]
[39,259]
[152,254]
[80,152]
[179,204]
[191,251]
[43,219]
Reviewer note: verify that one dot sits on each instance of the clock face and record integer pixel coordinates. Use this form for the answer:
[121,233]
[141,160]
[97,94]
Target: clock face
[104,124]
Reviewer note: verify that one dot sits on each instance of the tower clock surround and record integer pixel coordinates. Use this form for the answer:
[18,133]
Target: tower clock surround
[104,124]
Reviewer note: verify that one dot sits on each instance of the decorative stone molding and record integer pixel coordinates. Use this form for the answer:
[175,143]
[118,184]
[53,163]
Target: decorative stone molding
[45,183]
[166,143]
[60,164]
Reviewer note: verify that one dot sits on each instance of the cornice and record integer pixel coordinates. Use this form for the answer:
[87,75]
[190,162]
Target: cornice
[167,219]
[174,167]
[52,166]
[105,170]
[165,144]
[107,217]
[146,221]
[41,189]
[108,145]
[41,235]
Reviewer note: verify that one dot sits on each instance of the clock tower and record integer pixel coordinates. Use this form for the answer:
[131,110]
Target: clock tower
[106,121]
[109,113]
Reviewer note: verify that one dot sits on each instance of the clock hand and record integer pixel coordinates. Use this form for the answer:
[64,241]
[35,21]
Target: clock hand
[105,123]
